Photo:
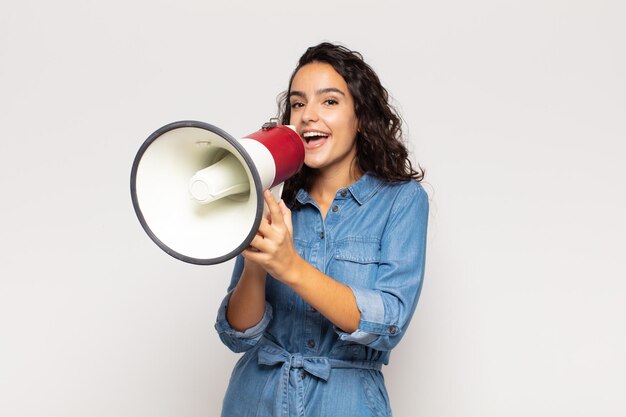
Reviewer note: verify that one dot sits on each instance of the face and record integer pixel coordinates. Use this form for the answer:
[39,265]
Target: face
[322,110]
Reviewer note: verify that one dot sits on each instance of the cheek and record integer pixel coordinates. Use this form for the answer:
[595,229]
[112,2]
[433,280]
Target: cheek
[336,122]
[347,129]
[344,122]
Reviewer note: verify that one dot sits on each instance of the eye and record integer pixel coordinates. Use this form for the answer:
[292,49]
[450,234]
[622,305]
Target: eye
[296,105]
[330,101]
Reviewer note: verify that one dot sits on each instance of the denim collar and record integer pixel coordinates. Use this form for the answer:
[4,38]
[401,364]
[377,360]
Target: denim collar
[362,190]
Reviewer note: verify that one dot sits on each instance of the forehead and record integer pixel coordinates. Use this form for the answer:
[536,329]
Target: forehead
[316,76]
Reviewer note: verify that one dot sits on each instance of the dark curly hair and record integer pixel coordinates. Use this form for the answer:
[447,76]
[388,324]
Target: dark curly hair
[380,149]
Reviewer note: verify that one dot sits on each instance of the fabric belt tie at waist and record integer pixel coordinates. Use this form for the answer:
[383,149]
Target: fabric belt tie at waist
[318,366]
[271,354]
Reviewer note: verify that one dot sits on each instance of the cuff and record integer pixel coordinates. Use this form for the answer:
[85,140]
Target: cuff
[372,325]
[253,334]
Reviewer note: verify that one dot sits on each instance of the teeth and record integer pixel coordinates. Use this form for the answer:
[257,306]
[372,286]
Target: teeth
[313,134]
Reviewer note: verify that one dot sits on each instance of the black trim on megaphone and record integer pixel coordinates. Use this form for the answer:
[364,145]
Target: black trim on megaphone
[246,157]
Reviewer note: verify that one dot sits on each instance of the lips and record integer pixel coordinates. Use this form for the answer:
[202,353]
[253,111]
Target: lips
[314,138]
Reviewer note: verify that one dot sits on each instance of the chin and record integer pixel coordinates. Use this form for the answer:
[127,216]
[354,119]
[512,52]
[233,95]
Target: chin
[313,161]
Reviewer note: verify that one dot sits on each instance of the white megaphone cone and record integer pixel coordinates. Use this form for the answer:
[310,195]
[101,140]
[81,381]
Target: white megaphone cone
[198,192]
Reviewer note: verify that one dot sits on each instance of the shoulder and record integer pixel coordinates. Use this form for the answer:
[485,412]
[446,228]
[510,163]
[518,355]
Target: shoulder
[370,186]
[407,205]
[403,192]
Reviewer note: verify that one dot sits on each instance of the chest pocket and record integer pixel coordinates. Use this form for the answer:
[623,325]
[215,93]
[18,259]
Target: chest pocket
[355,261]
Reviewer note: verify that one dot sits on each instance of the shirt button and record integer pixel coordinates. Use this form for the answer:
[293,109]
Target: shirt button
[335,209]
[393,329]
[344,193]
[310,343]
[321,235]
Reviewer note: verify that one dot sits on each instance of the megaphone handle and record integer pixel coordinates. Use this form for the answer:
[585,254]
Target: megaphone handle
[277,192]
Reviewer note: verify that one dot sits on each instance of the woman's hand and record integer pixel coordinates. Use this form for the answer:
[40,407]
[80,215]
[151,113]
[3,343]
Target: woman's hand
[272,247]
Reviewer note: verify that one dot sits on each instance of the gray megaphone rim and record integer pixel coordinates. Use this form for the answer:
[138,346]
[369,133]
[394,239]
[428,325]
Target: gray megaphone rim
[249,162]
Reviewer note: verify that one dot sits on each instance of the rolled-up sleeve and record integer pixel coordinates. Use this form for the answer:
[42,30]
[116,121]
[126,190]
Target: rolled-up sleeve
[387,307]
[235,340]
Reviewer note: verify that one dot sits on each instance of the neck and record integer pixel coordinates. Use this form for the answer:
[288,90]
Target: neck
[328,181]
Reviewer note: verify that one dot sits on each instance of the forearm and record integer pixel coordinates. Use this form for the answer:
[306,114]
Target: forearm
[247,302]
[273,248]
[332,299]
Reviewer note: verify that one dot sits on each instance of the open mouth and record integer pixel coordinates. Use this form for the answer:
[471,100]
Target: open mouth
[314,137]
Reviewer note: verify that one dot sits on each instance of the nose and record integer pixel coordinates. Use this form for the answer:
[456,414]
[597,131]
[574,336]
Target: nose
[309,113]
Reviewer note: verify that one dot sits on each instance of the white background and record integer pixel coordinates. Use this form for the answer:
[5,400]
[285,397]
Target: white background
[515,108]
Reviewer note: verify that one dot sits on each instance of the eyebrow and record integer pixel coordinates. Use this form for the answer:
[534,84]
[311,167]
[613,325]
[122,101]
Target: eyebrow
[318,92]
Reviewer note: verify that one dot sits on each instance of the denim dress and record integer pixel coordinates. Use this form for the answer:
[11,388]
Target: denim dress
[296,362]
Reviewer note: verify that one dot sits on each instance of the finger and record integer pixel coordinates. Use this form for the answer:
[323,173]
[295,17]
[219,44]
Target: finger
[258,245]
[252,255]
[265,228]
[275,213]
[286,214]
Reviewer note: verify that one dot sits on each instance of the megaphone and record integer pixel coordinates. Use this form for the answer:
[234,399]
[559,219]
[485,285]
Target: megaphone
[198,192]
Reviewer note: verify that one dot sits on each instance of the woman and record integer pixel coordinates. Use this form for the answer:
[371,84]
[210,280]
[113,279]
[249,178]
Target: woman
[330,282]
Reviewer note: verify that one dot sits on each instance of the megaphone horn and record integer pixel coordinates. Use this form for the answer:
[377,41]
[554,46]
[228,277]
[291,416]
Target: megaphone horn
[198,192]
